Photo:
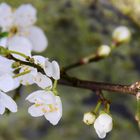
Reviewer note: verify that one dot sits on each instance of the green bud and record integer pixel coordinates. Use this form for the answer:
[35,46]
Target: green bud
[3,51]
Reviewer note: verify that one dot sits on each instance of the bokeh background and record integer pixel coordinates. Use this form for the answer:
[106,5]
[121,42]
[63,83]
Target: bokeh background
[76,28]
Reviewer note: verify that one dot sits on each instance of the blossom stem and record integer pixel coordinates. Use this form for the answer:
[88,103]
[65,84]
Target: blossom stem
[54,87]
[83,61]
[22,73]
[55,84]
[107,108]
[18,53]
[97,107]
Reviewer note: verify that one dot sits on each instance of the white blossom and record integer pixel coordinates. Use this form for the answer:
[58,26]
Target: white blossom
[103,124]
[47,104]
[7,82]
[19,24]
[121,34]
[52,69]
[42,81]
[39,60]
[5,66]
[104,50]
[7,102]
[28,78]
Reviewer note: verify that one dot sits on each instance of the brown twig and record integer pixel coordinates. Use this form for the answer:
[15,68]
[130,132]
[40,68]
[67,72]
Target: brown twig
[91,85]
[83,61]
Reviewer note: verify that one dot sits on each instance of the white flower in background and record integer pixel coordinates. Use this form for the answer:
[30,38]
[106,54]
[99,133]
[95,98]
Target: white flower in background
[121,34]
[47,104]
[103,124]
[23,35]
[89,118]
[104,50]
[7,102]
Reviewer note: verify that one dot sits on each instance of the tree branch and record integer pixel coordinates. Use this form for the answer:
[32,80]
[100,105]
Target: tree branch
[91,85]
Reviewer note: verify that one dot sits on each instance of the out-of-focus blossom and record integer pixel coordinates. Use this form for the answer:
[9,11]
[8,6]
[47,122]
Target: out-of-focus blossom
[104,50]
[121,34]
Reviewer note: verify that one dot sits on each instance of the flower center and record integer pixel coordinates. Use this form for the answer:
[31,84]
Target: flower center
[14,30]
[50,108]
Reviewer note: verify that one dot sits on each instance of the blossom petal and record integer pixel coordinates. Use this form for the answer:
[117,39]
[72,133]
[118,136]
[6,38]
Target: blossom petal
[35,111]
[6,18]
[8,102]
[38,39]
[5,66]
[52,117]
[2,108]
[20,44]
[43,81]
[46,96]
[48,68]
[25,15]
[39,60]
[56,70]
[3,42]
[105,121]
[59,105]
[16,83]
[27,79]
[101,134]
[6,83]
[55,116]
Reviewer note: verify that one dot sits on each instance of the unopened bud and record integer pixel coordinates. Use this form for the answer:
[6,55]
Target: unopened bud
[16,64]
[89,118]
[121,34]
[3,51]
[104,50]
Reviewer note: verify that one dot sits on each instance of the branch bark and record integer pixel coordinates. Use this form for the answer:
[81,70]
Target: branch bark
[91,85]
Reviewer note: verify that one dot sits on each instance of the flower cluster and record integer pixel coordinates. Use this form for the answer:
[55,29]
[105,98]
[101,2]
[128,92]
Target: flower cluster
[46,102]
[23,37]
[101,120]
[102,123]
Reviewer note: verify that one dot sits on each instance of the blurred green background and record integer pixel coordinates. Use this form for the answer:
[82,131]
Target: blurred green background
[76,28]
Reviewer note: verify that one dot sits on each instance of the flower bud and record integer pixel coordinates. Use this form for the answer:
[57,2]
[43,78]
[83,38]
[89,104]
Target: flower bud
[89,118]
[104,50]
[121,34]
[103,124]
[3,51]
